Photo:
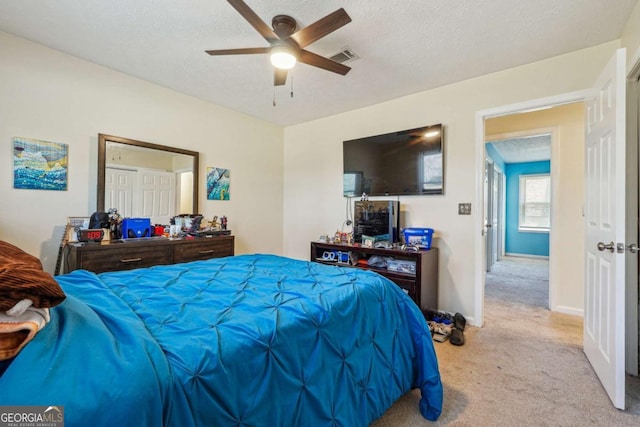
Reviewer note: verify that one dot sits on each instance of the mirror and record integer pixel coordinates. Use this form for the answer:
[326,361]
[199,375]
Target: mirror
[145,180]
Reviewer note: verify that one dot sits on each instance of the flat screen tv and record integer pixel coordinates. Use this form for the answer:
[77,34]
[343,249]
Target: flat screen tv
[408,162]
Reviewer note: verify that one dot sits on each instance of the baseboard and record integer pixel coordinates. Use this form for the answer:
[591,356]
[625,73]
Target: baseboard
[526,255]
[471,321]
[569,310]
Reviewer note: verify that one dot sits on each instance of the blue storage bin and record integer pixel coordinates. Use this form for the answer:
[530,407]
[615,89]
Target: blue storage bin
[136,227]
[420,237]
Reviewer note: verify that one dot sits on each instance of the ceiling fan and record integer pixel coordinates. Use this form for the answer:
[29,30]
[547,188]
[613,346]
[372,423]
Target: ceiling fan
[286,45]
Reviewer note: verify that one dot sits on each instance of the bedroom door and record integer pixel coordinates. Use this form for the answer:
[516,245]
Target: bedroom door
[604,311]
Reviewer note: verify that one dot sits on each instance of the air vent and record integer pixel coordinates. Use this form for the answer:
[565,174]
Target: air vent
[345,55]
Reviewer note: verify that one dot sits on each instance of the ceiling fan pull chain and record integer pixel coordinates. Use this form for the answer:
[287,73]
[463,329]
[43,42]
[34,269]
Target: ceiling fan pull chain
[274,96]
[292,85]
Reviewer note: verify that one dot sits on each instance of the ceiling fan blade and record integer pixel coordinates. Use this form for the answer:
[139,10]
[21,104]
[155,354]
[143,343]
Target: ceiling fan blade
[320,28]
[279,77]
[255,21]
[243,51]
[311,58]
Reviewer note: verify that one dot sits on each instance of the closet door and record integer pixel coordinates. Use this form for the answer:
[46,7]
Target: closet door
[156,199]
[120,189]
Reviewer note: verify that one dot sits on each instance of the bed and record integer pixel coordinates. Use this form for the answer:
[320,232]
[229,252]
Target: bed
[250,340]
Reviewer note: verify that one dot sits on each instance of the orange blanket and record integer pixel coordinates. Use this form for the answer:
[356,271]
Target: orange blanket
[26,293]
[22,277]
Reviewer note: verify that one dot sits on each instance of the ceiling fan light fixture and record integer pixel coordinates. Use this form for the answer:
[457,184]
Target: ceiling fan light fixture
[283,57]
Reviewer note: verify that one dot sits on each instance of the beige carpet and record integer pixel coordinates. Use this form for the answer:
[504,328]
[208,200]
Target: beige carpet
[525,367]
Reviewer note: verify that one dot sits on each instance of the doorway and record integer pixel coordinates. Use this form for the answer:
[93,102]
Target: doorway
[629,186]
[571,229]
[518,199]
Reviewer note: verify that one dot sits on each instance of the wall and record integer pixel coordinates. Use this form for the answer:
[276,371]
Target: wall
[48,95]
[567,122]
[630,38]
[313,160]
[493,154]
[521,242]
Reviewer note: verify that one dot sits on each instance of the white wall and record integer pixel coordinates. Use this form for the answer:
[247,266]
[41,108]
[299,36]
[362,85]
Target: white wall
[630,38]
[48,95]
[313,160]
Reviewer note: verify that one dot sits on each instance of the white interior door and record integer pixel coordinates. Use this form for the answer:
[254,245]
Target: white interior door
[501,207]
[488,214]
[495,197]
[156,198]
[604,312]
[120,190]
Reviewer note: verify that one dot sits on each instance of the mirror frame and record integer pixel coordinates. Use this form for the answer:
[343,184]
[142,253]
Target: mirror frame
[102,156]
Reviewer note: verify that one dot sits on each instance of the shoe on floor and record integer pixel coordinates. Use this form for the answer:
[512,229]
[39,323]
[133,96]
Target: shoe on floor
[457,337]
[457,334]
[459,322]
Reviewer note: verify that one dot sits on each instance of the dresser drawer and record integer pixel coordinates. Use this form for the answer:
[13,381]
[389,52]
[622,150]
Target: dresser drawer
[409,286]
[137,253]
[211,248]
[124,258]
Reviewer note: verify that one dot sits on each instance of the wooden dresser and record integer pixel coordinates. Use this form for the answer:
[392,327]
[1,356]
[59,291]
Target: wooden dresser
[421,285]
[136,253]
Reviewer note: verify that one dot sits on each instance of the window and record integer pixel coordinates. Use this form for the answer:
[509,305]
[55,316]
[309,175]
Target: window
[352,183]
[535,203]
[432,171]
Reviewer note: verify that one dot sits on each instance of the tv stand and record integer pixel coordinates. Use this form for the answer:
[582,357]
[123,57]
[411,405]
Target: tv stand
[422,286]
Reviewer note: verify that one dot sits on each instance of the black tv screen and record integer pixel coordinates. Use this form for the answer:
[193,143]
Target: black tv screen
[408,162]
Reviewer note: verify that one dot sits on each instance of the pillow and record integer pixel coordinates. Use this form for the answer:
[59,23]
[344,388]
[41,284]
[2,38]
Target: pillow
[22,277]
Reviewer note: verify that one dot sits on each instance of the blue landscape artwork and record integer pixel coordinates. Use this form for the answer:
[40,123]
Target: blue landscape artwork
[218,184]
[39,165]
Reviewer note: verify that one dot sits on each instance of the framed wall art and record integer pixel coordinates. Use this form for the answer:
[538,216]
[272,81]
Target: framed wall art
[39,165]
[218,184]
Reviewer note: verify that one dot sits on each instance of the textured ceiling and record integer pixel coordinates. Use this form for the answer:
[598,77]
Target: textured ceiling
[404,46]
[527,149]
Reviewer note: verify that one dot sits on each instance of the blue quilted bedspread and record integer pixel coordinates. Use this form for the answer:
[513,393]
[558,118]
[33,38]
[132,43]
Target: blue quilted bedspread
[251,340]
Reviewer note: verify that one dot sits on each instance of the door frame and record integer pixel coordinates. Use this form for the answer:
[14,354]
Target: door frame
[479,240]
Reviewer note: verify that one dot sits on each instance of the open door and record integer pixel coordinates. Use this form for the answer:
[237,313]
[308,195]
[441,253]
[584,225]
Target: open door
[604,311]
[489,212]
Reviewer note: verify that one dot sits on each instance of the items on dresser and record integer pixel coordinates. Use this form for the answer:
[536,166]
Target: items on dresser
[415,271]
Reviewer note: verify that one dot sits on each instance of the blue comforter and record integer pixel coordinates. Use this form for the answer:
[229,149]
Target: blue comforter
[251,340]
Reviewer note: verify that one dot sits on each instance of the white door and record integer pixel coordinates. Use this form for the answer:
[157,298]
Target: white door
[604,311]
[120,190]
[500,208]
[488,214]
[156,198]
[495,198]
